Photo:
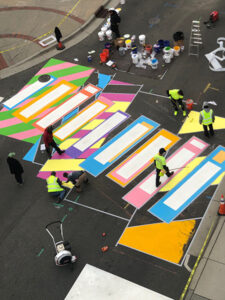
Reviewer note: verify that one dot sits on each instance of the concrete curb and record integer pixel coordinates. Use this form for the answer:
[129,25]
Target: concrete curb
[77,34]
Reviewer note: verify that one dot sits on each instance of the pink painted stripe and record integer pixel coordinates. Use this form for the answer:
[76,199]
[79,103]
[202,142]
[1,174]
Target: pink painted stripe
[25,134]
[64,65]
[116,82]
[104,115]
[119,97]
[88,153]
[9,122]
[139,197]
[74,76]
[81,133]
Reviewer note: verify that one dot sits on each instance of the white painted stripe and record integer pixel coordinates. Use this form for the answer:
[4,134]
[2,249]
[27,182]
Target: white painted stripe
[121,143]
[99,132]
[197,144]
[1,99]
[140,159]
[80,120]
[62,110]
[91,89]
[192,185]
[180,159]
[31,89]
[94,283]
[45,100]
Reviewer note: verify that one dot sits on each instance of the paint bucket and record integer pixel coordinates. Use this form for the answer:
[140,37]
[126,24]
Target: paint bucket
[104,29]
[122,51]
[154,63]
[134,58]
[134,49]
[161,43]
[156,48]
[109,34]
[142,39]
[144,54]
[89,58]
[126,36]
[108,45]
[166,43]
[148,49]
[189,104]
[176,50]
[133,38]
[166,50]
[128,44]
[167,58]
[101,36]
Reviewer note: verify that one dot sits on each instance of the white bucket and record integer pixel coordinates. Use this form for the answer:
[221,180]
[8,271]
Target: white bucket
[101,36]
[167,58]
[109,34]
[142,39]
[126,36]
[134,58]
[104,28]
[176,50]
[154,63]
[128,44]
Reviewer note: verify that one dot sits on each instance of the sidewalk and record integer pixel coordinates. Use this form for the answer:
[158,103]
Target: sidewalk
[208,280]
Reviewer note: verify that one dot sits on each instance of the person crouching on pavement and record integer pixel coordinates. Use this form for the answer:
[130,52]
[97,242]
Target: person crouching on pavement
[54,186]
[176,96]
[160,164]
[77,178]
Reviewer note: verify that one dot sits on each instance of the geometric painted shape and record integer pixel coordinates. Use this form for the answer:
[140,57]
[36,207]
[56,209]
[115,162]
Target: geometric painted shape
[44,101]
[176,200]
[122,106]
[103,80]
[30,156]
[82,118]
[92,124]
[67,143]
[62,164]
[146,189]
[119,145]
[218,179]
[116,82]
[27,93]
[219,157]
[191,124]
[95,135]
[94,283]
[161,240]
[142,158]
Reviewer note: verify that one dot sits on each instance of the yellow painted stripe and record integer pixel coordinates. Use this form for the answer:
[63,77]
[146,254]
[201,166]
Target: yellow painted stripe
[62,165]
[119,105]
[68,143]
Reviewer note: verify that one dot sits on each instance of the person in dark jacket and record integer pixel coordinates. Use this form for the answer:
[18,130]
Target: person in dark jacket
[77,178]
[15,167]
[49,141]
[114,20]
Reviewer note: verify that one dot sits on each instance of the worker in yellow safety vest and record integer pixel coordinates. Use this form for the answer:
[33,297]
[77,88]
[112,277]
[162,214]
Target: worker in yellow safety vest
[207,118]
[161,167]
[176,96]
[54,186]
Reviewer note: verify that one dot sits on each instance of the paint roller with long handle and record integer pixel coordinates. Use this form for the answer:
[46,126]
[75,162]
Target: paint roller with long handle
[163,172]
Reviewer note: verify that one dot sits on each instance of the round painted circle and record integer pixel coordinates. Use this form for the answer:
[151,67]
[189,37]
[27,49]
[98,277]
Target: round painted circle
[44,78]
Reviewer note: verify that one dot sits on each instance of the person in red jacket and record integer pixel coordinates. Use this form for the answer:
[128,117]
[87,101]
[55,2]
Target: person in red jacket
[49,141]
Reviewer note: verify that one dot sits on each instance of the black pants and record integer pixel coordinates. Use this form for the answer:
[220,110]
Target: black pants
[115,29]
[19,178]
[206,132]
[158,172]
[180,102]
[54,145]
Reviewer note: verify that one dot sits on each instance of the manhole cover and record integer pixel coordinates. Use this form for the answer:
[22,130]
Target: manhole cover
[44,78]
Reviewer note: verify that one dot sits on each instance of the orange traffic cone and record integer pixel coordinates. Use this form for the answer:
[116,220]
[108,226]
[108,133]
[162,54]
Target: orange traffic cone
[60,46]
[221,211]
[105,248]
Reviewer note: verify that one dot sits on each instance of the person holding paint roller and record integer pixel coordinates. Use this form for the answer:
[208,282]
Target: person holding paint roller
[176,96]
[160,165]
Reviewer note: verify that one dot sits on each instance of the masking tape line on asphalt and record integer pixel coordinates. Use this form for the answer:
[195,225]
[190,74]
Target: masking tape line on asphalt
[197,262]
[45,34]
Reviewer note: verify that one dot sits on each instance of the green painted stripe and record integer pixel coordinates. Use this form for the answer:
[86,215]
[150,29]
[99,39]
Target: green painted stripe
[4,115]
[63,219]
[80,81]
[53,62]
[16,128]
[32,139]
[69,71]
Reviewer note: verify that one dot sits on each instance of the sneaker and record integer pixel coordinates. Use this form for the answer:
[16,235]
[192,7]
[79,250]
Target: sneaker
[184,113]
[175,113]
[171,173]
[63,151]
[158,184]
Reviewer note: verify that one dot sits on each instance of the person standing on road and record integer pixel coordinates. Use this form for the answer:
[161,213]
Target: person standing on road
[207,118]
[54,186]
[15,167]
[49,141]
[160,165]
[176,96]
[77,178]
[114,20]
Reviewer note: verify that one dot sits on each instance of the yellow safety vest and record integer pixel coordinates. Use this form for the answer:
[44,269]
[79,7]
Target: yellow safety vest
[207,117]
[174,94]
[160,161]
[52,184]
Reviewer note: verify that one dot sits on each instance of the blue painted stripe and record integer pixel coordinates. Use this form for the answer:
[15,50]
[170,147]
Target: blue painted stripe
[103,80]
[165,212]
[10,108]
[94,167]
[32,152]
